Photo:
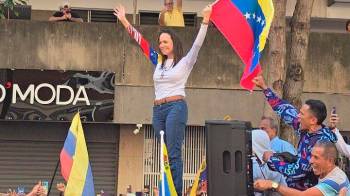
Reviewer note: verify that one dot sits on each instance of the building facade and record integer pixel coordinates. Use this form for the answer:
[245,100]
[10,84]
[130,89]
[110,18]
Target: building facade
[120,157]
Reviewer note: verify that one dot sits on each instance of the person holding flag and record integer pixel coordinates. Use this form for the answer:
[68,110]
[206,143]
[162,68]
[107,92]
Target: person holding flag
[171,71]
[75,166]
[309,128]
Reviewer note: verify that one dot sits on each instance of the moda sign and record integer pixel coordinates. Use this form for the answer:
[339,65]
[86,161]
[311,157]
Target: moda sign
[29,94]
[32,94]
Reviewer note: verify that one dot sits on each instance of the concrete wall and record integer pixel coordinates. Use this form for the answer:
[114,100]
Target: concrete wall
[130,169]
[215,104]
[321,9]
[63,46]
[213,87]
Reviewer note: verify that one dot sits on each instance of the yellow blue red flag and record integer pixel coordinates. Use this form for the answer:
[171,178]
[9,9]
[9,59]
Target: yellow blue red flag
[75,166]
[200,180]
[245,24]
[167,187]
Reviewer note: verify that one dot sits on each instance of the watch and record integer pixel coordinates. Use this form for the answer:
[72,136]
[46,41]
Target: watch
[274,186]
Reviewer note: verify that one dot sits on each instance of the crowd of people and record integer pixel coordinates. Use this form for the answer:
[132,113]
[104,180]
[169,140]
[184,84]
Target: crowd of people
[313,170]
[39,189]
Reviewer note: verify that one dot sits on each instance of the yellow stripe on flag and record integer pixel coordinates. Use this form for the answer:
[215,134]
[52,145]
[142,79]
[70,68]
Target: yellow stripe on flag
[80,165]
[167,171]
[196,180]
[268,10]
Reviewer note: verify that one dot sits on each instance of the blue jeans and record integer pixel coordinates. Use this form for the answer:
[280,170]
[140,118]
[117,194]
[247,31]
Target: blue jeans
[172,118]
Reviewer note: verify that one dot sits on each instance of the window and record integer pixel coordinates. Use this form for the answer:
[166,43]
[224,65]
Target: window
[96,15]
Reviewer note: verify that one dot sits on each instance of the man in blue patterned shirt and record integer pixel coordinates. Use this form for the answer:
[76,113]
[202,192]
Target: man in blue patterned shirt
[308,126]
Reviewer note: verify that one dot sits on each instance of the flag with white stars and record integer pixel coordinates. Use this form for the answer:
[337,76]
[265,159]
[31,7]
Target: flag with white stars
[245,24]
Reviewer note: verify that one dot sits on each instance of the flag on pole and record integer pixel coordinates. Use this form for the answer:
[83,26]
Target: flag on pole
[201,179]
[167,187]
[75,166]
[245,24]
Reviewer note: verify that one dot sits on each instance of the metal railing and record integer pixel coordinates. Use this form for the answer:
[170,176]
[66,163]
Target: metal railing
[193,152]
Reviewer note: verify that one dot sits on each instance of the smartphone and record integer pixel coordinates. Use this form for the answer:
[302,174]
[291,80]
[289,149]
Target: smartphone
[45,185]
[334,111]
[20,190]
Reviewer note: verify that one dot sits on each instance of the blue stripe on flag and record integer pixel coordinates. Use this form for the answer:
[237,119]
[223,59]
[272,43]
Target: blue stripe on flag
[89,185]
[252,11]
[69,144]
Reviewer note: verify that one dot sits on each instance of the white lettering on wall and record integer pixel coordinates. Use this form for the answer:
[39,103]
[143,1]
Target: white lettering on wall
[16,90]
[3,93]
[84,98]
[58,95]
[54,94]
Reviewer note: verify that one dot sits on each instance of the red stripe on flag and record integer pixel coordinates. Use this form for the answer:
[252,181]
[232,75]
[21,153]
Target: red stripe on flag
[145,47]
[224,15]
[66,164]
[246,80]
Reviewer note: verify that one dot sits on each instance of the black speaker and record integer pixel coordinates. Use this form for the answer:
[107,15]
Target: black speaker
[229,148]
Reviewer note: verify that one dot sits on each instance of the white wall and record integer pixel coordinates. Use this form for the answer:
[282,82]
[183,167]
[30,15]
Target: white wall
[339,10]
[321,9]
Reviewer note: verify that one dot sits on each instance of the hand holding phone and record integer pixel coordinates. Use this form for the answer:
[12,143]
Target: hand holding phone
[45,185]
[334,111]
[334,119]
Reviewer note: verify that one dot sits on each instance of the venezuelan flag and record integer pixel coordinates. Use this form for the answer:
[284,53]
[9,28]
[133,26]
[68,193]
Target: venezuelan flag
[146,48]
[245,24]
[75,166]
[169,187]
[201,177]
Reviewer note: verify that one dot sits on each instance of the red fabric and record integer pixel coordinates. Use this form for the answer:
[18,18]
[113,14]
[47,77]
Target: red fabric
[66,164]
[237,31]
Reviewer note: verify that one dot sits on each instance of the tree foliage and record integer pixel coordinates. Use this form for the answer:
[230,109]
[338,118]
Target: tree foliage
[9,5]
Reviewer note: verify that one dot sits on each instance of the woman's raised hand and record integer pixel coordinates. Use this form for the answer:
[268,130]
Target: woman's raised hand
[206,12]
[119,12]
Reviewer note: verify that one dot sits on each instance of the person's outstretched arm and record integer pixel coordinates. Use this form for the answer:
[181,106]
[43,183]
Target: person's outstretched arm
[55,17]
[287,112]
[191,56]
[147,50]
[341,145]
[284,190]
[161,17]
[179,4]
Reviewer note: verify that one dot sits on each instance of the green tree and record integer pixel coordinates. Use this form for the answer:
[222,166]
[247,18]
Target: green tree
[9,6]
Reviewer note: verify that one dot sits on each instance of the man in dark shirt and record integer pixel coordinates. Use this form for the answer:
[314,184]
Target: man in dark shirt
[65,14]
